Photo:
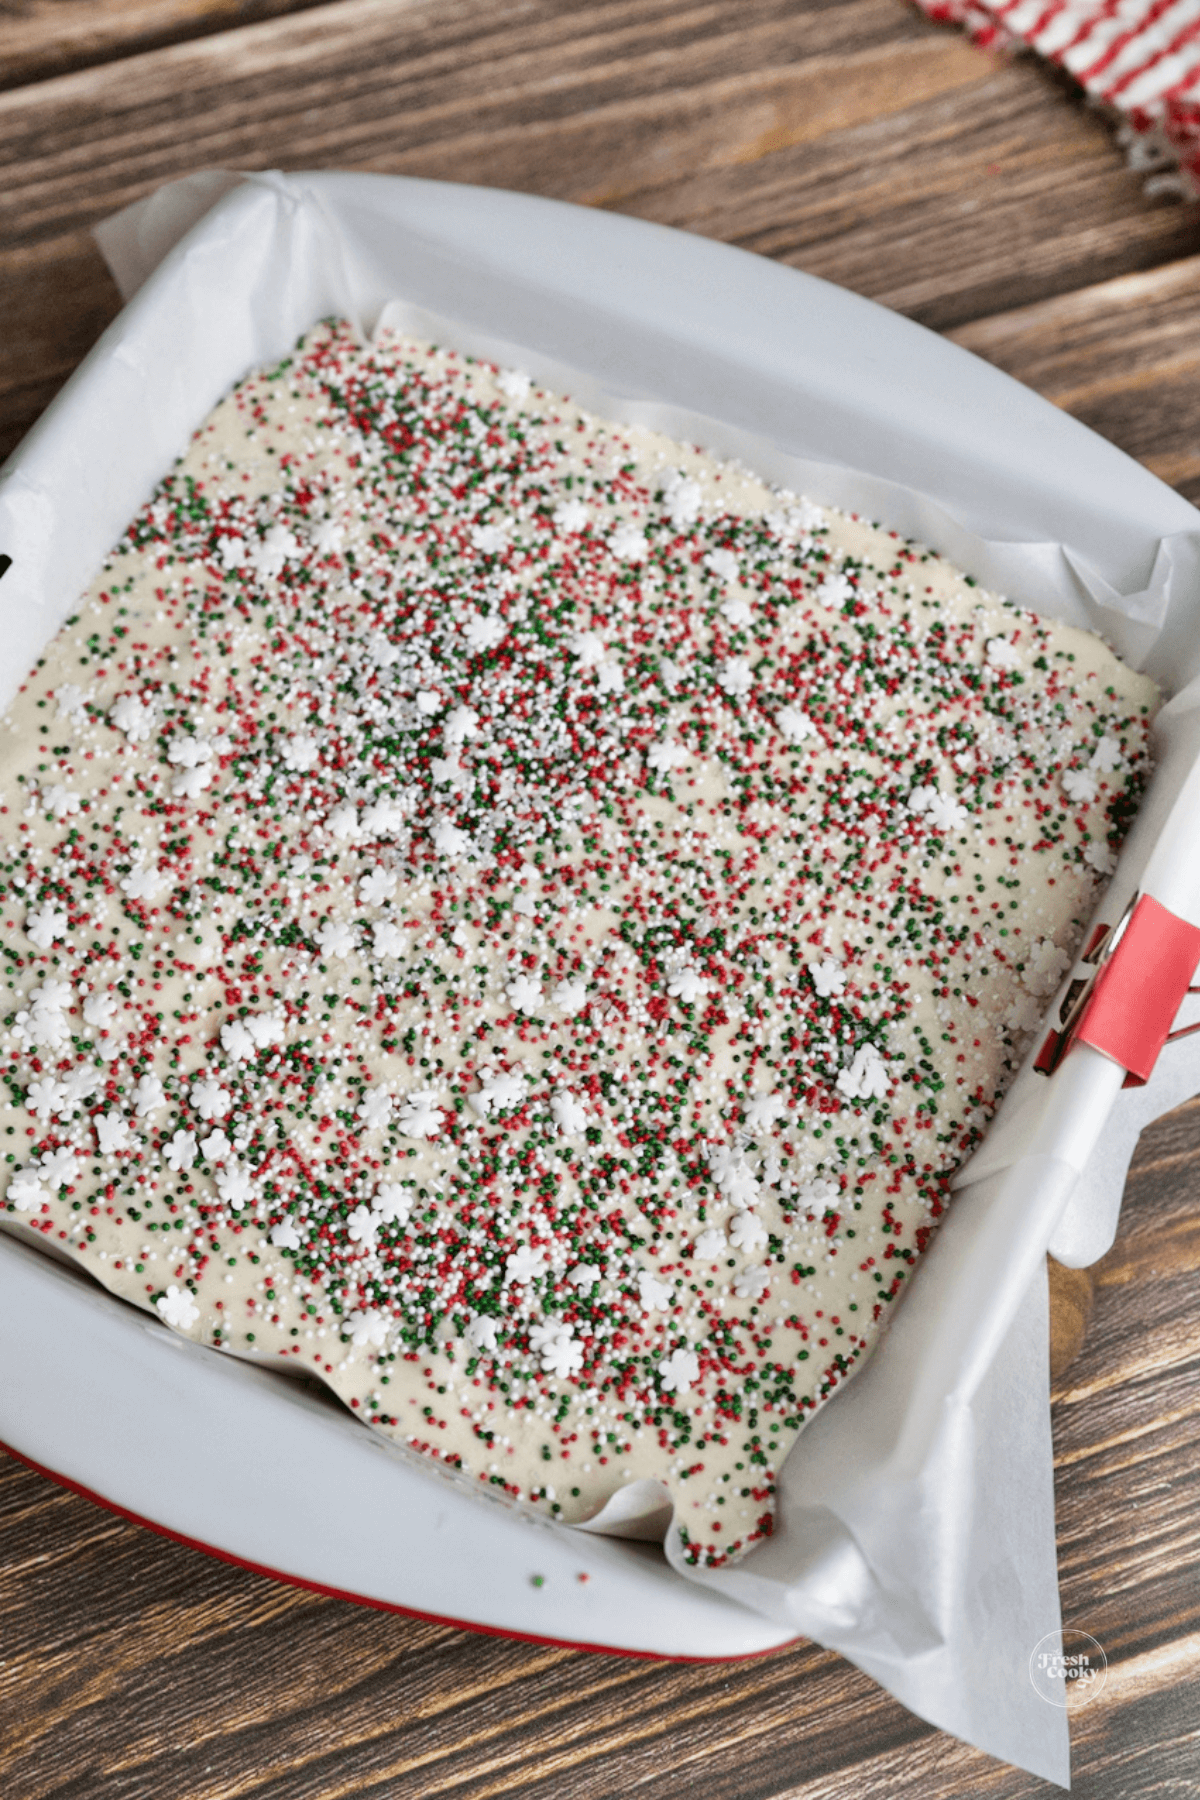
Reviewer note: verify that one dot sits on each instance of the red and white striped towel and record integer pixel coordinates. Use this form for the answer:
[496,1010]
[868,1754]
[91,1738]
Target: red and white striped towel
[1139,57]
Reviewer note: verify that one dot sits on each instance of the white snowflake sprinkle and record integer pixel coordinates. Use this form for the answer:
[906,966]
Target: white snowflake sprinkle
[388,939]
[80,1084]
[491,539]
[570,996]
[237,1042]
[867,1076]
[736,677]
[752,1282]
[419,1116]
[665,755]
[70,701]
[362,1227]
[1001,653]
[384,818]
[682,500]
[834,591]
[588,646]
[235,1184]
[942,811]
[817,1196]
[62,800]
[148,1095]
[828,978]
[337,938]
[737,611]
[629,544]
[144,884]
[654,1295]
[233,551]
[46,923]
[763,1111]
[377,885]
[514,383]
[747,1233]
[795,725]
[100,1008]
[42,1098]
[177,1309]
[739,1185]
[265,1028]
[393,1203]
[26,1191]
[481,1333]
[1023,1013]
[450,841]
[524,993]
[1080,786]
[569,1114]
[723,563]
[497,1093]
[112,1133]
[484,631]
[375,1109]
[133,717]
[326,536]
[462,724]
[524,1265]
[211,1100]
[1045,967]
[189,752]
[679,1372]
[688,986]
[301,753]
[541,1335]
[571,515]
[563,1357]
[61,1167]
[367,1327]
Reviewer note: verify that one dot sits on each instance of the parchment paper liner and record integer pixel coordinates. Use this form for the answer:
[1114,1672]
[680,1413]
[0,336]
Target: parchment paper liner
[916,1515]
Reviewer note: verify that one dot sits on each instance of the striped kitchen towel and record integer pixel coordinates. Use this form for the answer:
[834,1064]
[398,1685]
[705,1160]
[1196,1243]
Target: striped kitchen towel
[1139,58]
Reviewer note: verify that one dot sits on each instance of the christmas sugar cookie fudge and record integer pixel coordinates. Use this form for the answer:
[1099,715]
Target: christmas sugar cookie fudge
[507,914]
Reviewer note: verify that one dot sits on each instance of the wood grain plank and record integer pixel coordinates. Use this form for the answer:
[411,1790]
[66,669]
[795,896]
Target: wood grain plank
[56,297]
[852,139]
[554,96]
[43,38]
[1122,355]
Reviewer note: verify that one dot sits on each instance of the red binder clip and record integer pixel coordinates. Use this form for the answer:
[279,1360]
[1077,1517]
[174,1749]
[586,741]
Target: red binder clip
[1143,969]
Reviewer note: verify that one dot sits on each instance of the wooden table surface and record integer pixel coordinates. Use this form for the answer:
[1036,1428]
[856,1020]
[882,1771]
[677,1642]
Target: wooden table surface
[858,141]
